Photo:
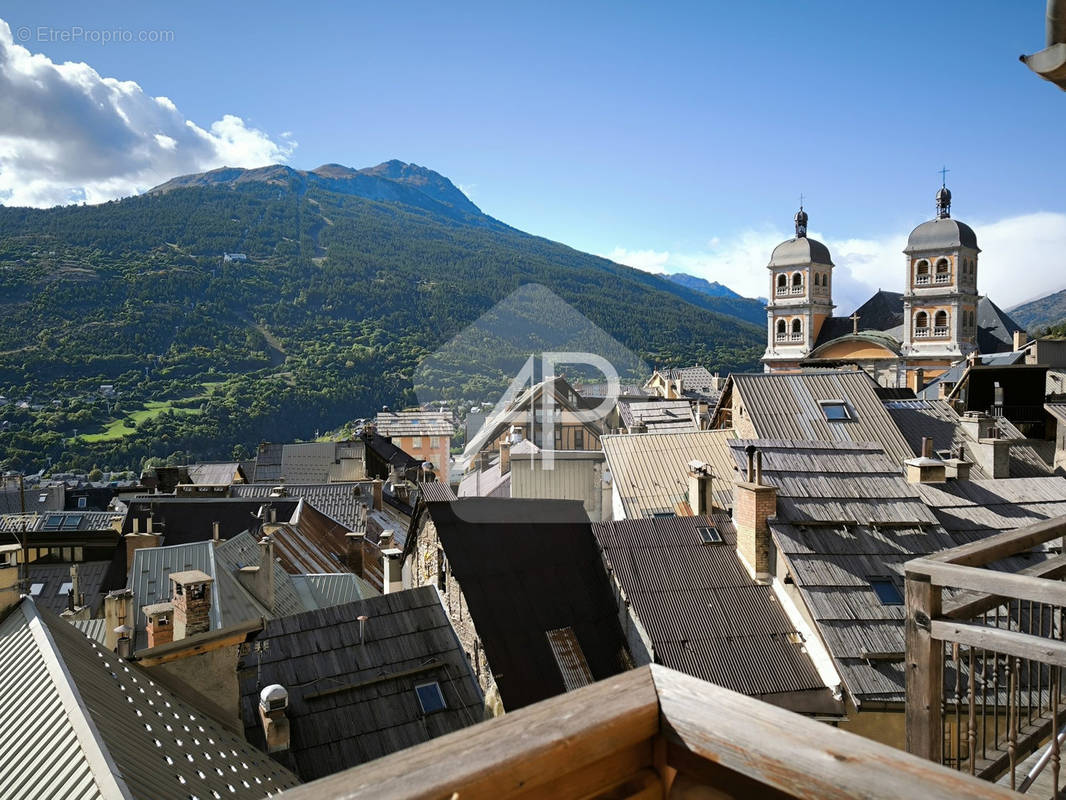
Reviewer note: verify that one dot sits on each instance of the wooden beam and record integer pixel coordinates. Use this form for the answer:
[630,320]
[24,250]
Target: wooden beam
[967,605]
[924,666]
[988,581]
[513,755]
[1001,640]
[589,780]
[791,755]
[1001,545]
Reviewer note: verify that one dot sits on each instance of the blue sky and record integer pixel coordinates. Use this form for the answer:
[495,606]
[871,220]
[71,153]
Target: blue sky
[669,136]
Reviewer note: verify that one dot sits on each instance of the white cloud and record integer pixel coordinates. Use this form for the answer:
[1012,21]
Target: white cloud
[1023,257]
[68,134]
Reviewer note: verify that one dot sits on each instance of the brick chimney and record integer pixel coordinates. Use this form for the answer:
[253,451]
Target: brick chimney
[753,505]
[273,701]
[160,623]
[191,597]
[354,546]
[700,499]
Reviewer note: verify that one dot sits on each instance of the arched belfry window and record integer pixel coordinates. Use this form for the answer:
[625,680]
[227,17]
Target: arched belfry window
[921,324]
[943,270]
[940,323]
[782,283]
[797,330]
[921,272]
[782,329]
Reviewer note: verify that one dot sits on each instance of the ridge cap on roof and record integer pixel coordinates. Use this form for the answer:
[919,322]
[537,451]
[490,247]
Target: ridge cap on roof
[104,770]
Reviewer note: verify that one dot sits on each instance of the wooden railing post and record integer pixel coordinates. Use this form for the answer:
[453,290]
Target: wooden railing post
[925,669]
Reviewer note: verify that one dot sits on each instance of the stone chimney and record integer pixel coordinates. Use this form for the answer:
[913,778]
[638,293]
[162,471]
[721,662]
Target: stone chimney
[136,540]
[505,457]
[259,578]
[160,623]
[925,468]
[191,597]
[1020,340]
[376,488]
[957,469]
[919,380]
[700,499]
[391,569]
[989,451]
[118,611]
[273,701]
[978,425]
[753,505]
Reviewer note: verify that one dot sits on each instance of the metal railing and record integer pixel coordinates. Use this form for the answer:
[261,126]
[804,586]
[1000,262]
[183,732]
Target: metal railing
[984,683]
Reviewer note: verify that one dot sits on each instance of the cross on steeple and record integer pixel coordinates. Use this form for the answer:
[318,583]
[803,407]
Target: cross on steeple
[855,322]
[943,175]
[801,201]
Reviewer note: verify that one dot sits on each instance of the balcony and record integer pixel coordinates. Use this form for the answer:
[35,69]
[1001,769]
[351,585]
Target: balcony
[940,332]
[795,337]
[921,333]
[796,290]
[650,733]
[984,656]
[921,280]
[943,277]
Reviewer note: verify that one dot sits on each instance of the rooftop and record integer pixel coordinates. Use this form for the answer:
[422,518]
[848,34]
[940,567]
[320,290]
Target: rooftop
[415,423]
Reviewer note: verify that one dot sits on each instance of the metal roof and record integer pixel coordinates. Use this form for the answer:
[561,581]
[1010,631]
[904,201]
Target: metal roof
[52,580]
[62,521]
[149,579]
[787,407]
[941,234]
[846,515]
[702,610]
[214,473]
[338,501]
[527,567]
[332,589]
[81,723]
[799,252]
[238,604]
[351,687]
[650,470]
[938,420]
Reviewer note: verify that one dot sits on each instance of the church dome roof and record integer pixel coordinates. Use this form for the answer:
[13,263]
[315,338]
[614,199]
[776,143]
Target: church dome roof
[799,251]
[941,234]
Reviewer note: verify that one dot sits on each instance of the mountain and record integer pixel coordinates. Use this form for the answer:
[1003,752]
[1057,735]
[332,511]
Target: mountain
[714,289]
[346,281]
[726,301]
[1041,313]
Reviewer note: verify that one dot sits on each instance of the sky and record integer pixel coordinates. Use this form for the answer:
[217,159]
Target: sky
[673,137]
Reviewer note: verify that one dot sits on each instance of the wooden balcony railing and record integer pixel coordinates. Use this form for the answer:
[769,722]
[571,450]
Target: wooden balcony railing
[984,656]
[650,733]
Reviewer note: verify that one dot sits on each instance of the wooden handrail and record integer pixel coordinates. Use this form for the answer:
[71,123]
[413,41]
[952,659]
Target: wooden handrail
[632,735]
[988,581]
[970,604]
[1000,545]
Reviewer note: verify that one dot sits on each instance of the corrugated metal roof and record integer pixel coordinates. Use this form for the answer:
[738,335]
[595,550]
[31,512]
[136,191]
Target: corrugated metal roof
[786,406]
[239,604]
[322,591]
[436,492]
[1057,410]
[95,629]
[702,610]
[650,470]
[80,723]
[149,579]
[351,692]
[569,658]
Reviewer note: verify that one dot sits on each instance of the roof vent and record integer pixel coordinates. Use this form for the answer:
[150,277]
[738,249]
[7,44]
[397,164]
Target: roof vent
[274,698]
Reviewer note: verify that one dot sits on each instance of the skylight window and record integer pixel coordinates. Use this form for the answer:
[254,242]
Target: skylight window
[52,522]
[36,589]
[709,535]
[66,588]
[430,697]
[835,410]
[886,591]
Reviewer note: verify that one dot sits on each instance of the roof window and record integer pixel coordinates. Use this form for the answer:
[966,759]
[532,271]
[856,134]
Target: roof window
[886,591]
[835,410]
[430,697]
[36,589]
[709,535]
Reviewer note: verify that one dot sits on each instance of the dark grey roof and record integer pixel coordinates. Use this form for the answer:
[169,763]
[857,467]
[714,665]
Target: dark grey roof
[352,701]
[51,582]
[845,515]
[436,492]
[702,610]
[995,328]
[971,510]
[882,312]
[527,567]
[941,234]
[799,251]
[338,501]
[79,722]
[268,463]
[40,499]
[214,473]
[658,416]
